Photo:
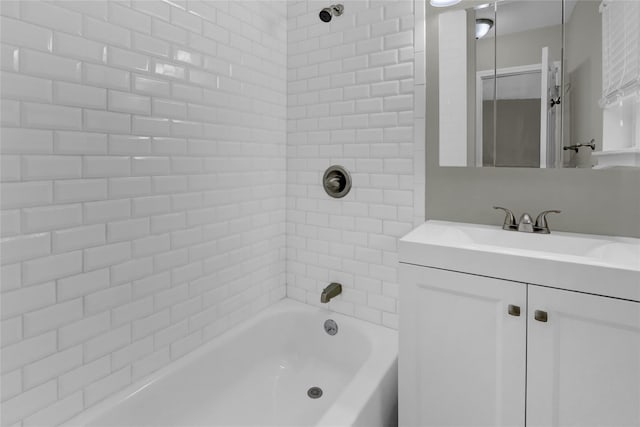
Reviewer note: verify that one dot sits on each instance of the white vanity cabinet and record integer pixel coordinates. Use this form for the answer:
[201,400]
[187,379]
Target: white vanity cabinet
[501,328]
[477,351]
[462,356]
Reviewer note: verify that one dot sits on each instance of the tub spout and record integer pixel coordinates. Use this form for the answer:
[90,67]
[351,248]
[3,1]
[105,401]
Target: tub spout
[334,289]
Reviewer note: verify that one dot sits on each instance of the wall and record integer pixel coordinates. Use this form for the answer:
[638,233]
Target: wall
[516,49]
[596,202]
[143,193]
[583,120]
[351,102]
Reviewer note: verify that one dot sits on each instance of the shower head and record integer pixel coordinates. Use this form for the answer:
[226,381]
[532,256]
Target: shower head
[329,12]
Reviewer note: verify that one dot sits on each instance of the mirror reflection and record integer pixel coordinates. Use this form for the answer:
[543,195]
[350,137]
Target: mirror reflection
[508,98]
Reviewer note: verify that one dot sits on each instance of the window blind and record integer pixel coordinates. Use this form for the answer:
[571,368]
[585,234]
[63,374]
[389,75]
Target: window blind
[620,49]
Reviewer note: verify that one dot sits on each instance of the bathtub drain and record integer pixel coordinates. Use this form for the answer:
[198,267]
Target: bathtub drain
[314,392]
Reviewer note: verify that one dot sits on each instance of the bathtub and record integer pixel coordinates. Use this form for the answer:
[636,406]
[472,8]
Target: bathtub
[260,372]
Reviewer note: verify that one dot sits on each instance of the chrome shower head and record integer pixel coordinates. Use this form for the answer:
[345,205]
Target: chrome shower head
[329,12]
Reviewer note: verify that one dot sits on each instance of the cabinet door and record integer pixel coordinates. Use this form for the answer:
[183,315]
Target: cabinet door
[462,355]
[583,366]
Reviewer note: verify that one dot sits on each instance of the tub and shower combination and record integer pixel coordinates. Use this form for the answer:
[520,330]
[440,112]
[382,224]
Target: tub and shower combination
[282,367]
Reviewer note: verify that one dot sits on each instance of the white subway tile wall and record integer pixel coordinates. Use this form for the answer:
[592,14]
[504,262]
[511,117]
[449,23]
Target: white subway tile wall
[352,87]
[143,189]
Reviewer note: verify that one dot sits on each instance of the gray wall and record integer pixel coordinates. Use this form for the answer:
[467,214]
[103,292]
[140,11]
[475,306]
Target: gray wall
[597,202]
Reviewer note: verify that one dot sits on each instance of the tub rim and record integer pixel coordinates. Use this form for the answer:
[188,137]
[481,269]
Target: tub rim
[348,404]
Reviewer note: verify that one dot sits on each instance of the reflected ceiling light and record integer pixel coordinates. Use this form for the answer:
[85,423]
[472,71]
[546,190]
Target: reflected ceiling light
[483,25]
[443,3]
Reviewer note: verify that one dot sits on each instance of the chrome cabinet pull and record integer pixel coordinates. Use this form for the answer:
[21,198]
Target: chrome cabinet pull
[513,310]
[540,316]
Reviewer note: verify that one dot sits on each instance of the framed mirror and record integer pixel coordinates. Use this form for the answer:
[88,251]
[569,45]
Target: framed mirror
[538,83]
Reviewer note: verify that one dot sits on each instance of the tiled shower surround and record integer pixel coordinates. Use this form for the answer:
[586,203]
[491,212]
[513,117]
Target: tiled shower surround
[161,165]
[351,102]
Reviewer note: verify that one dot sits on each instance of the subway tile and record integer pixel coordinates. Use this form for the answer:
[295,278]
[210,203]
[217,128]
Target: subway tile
[27,351]
[169,70]
[151,86]
[95,8]
[9,58]
[127,230]
[106,299]
[51,217]
[131,270]
[169,32]
[83,376]
[25,194]
[104,211]
[106,166]
[129,18]
[151,126]
[82,284]
[26,88]
[127,145]
[27,299]
[81,331]
[19,33]
[28,402]
[169,108]
[151,45]
[51,116]
[25,246]
[79,190]
[9,113]
[129,187]
[11,277]
[52,317]
[100,389]
[50,66]
[158,9]
[11,384]
[78,238]
[186,20]
[106,121]
[107,343]
[106,255]
[107,77]
[37,167]
[106,32]
[79,95]
[126,102]
[10,223]
[10,168]
[132,352]
[80,143]
[51,267]
[127,59]
[51,16]
[57,413]
[78,47]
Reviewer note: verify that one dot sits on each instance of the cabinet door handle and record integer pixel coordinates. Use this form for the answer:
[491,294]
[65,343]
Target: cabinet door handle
[540,316]
[513,310]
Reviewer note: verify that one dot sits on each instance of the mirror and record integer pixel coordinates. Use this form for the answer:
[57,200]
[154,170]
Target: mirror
[508,98]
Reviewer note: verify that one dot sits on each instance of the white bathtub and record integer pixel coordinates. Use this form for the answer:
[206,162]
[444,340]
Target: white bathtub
[258,374]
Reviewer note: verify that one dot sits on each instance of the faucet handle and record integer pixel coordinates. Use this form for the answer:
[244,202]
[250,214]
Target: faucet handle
[509,219]
[541,224]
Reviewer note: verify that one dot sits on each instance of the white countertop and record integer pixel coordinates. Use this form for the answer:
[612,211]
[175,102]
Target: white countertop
[601,265]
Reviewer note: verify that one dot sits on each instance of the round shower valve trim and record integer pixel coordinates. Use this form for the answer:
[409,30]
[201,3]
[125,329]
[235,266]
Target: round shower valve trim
[336,181]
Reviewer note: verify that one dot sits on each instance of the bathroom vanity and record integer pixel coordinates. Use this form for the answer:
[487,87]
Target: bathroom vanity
[510,329]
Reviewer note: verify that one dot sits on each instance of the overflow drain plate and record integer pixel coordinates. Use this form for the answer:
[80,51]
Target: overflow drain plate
[314,392]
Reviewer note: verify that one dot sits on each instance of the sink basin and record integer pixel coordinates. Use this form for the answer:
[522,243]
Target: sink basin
[607,265]
[557,243]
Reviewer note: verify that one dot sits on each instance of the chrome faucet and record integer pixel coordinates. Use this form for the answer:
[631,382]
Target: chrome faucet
[331,291]
[526,224]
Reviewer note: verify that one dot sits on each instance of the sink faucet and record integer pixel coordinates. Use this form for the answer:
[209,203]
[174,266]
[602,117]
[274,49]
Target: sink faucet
[331,291]
[526,224]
